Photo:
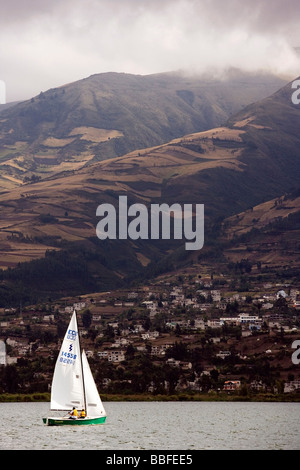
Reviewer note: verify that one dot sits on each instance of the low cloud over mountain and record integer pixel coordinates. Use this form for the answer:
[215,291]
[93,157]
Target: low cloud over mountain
[45,44]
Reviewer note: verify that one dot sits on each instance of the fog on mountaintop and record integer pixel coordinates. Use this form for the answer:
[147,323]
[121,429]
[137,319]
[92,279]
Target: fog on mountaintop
[48,44]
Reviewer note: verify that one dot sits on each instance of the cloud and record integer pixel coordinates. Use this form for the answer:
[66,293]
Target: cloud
[47,44]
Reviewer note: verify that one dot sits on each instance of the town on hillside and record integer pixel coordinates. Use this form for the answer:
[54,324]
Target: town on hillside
[188,333]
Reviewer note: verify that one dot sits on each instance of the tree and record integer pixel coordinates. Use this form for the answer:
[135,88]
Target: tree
[179,351]
[214,373]
[10,379]
[281,305]
[61,328]
[146,324]
[87,318]
[109,332]
[205,382]
[172,375]
[130,351]
[177,330]
[244,390]
[232,307]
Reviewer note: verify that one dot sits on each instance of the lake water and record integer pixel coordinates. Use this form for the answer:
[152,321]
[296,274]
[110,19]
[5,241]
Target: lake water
[158,425]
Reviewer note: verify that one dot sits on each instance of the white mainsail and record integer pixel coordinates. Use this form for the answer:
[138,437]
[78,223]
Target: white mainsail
[73,383]
[67,383]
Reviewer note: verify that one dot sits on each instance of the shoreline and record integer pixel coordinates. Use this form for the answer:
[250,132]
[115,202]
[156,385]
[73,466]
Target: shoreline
[261,397]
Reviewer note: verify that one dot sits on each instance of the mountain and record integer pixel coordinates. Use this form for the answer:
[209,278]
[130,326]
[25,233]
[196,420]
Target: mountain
[251,159]
[267,234]
[5,106]
[110,114]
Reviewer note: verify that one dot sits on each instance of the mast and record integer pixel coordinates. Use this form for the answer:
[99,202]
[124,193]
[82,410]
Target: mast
[82,373]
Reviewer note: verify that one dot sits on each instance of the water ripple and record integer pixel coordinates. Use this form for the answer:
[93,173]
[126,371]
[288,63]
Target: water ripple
[158,425]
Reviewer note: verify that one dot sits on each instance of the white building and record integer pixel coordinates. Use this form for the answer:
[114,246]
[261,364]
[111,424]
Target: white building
[241,318]
[292,386]
[246,318]
[79,305]
[116,356]
[223,354]
[112,356]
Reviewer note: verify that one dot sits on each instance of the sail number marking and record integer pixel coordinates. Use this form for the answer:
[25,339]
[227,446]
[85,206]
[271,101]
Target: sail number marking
[67,357]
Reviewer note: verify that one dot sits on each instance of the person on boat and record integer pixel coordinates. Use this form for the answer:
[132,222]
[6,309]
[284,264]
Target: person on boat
[73,414]
[82,414]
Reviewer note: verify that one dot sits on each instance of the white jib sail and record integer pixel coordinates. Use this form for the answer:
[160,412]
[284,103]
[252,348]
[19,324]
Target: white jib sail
[94,404]
[67,383]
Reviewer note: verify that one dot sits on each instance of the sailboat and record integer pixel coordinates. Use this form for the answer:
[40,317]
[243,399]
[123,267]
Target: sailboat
[73,385]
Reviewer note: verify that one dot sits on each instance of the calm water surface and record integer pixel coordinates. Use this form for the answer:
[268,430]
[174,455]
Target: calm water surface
[158,425]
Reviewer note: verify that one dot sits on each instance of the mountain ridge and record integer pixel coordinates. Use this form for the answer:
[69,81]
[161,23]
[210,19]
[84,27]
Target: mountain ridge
[108,115]
[229,169]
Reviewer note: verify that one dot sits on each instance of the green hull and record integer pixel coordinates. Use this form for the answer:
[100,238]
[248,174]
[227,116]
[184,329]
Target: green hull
[73,422]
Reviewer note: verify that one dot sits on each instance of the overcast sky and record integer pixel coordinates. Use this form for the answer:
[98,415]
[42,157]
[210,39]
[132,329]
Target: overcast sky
[44,44]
